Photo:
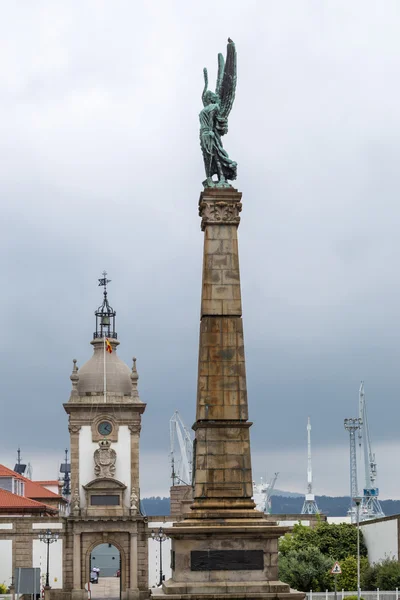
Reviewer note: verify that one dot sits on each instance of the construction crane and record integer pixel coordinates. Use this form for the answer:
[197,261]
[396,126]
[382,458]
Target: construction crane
[262,493]
[370,506]
[181,451]
[310,505]
[353,425]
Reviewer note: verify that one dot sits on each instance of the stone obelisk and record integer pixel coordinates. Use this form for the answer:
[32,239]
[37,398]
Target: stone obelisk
[223,478]
[224,547]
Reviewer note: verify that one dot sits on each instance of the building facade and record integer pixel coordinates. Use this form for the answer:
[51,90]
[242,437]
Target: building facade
[104,420]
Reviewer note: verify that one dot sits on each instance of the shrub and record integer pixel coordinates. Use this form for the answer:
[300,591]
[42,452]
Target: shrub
[3,588]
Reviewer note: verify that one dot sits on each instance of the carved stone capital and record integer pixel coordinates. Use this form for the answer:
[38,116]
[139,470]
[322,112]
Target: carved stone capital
[74,428]
[135,427]
[220,208]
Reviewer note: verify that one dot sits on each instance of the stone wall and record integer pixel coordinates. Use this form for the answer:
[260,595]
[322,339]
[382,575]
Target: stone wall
[181,497]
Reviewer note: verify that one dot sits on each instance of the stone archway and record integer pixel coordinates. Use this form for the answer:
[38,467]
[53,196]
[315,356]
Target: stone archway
[106,559]
[117,540]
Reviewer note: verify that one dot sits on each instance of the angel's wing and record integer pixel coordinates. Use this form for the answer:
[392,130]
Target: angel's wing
[221,67]
[227,86]
[205,86]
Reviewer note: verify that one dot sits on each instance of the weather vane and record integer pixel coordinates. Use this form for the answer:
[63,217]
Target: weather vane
[103,281]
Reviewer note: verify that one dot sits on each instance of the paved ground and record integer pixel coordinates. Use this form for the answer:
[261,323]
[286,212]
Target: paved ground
[107,588]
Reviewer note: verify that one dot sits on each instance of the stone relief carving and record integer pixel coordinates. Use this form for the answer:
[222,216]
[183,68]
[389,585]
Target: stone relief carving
[75,502]
[104,460]
[134,500]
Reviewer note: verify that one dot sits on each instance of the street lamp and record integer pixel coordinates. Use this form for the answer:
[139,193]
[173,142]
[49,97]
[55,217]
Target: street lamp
[159,536]
[48,538]
[357,501]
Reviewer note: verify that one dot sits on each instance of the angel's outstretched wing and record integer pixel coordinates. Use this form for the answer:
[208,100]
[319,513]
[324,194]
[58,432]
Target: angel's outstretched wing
[203,97]
[227,84]
[221,67]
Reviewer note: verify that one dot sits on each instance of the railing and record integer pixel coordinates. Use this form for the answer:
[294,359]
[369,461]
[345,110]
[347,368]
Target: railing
[108,334]
[341,595]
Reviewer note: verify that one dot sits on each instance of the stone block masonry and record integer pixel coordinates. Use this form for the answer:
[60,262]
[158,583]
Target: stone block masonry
[224,548]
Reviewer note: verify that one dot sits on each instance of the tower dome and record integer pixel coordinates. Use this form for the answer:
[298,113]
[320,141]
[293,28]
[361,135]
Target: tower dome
[104,374]
[91,374]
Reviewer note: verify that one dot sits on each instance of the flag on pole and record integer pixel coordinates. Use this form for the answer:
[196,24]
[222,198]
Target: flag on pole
[108,346]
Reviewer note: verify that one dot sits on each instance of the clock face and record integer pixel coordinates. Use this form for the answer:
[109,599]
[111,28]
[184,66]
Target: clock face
[105,428]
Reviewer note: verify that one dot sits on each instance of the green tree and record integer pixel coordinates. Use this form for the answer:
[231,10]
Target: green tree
[334,540]
[384,575]
[388,574]
[348,578]
[306,569]
[368,577]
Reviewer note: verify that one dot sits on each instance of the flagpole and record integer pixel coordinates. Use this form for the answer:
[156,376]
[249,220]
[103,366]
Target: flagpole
[104,364]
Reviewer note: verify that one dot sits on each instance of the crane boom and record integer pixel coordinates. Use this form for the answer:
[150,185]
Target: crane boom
[370,505]
[181,451]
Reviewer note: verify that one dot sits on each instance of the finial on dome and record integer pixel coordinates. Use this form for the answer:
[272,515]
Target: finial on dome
[74,377]
[105,314]
[134,379]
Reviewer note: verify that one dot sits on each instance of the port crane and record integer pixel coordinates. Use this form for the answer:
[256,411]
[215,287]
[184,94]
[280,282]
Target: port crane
[262,493]
[310,504]
[370,506]
[352,425]
[181,451]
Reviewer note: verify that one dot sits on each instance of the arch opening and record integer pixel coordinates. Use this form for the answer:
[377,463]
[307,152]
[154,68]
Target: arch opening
[105,572]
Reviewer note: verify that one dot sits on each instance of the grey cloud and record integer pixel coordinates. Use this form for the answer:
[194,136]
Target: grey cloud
[100,168]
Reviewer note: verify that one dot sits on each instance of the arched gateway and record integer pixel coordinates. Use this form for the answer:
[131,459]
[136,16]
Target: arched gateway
[104,423]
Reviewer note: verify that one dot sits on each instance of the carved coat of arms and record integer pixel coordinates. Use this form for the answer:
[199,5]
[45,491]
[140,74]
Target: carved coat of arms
[104,460]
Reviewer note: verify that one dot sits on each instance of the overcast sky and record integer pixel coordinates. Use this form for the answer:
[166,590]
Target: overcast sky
[100,168]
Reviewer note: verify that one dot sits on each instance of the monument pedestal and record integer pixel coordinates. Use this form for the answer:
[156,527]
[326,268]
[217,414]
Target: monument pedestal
[224,548]
[231,559]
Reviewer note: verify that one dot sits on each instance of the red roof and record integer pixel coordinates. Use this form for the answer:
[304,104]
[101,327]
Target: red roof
[6,472]
[10,501]
[33,489]
[53,482]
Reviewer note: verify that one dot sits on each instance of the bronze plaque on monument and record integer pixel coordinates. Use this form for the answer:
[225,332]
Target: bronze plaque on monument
[227,560]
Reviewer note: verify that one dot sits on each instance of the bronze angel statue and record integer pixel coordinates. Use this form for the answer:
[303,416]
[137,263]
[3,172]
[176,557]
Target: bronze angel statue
[214,121]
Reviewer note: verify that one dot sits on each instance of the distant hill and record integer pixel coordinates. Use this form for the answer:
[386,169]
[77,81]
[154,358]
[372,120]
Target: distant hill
[287,494]
[331,506]
[336,506]
[155,506]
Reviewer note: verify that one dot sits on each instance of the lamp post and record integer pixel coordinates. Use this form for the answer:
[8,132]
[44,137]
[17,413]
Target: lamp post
[357,501]
[48,538]
[160,537]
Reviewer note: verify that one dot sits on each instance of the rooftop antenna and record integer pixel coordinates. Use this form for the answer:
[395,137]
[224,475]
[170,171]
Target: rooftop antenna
[29,471]
[310,505]
[19,467]
[66,470]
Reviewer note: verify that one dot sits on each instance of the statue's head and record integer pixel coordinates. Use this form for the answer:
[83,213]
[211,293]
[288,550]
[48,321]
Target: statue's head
[210,98]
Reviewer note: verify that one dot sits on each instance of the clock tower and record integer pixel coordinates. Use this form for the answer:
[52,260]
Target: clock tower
[105,413]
